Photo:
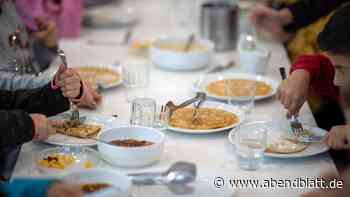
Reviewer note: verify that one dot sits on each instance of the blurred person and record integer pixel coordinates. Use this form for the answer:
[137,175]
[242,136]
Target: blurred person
[322,75]
[282,24]
[35,52]
[39,188]
[67,15]
[23,114]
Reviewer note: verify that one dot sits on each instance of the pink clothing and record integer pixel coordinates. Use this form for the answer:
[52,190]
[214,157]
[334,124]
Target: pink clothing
[66,13]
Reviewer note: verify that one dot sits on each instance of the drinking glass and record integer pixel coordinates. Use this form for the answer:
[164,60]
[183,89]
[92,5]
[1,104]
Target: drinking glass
[161,118]
[250,142]
[143,112]
[241,93]
[135,78]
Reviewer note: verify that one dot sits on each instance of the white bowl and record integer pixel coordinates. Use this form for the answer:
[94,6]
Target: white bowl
[181,61]
[131,156]
[114,178]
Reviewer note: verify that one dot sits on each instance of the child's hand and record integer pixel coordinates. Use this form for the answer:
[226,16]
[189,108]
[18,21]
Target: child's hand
[69,82]
[338,137]
[47,33]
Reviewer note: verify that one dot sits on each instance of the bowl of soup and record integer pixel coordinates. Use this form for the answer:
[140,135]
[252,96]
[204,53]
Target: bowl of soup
[169,53]
[131,146]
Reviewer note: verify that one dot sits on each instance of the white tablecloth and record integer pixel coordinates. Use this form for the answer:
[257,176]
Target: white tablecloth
[213,154]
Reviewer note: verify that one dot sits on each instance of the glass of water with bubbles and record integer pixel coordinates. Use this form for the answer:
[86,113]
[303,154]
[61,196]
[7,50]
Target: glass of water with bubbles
[250,143]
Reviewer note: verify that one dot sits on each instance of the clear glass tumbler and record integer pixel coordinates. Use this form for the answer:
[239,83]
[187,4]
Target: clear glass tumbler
[135,78]
[250,142]
[143,112]
[241,93]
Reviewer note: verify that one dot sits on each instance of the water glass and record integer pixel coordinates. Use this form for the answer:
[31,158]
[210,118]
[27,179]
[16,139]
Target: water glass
[242,94]
[250,142]
[162,117]
[143,112]
[135,78]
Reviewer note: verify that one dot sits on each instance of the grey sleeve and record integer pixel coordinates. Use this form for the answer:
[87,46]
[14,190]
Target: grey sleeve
[43,55]
[15,81]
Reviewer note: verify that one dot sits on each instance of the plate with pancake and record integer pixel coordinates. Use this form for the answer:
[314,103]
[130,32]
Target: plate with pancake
[215,86]
[72,135]
[282,144]
[212,117]
[108,76]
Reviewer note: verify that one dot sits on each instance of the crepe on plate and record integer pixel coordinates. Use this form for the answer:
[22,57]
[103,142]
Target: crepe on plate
[80,131]
[96,75]
[207,118]
[219,88]
[286,146]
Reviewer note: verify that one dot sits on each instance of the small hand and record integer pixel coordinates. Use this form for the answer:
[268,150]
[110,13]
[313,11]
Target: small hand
[338,137]
[43,127]
[293,91]
[47,33]
[64,189]
[69,81]
[91,97]
[272,21]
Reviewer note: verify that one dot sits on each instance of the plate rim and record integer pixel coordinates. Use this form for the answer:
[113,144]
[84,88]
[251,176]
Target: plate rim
[241,116]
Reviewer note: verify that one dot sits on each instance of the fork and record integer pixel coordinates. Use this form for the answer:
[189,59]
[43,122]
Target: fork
[75,118]
[201,99]
[297,127]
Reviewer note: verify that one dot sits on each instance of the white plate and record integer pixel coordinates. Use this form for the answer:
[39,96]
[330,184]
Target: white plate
[202,83]
[120,181]
[106,122]
[217,105]
[277,130]
[81,155]
[116,68]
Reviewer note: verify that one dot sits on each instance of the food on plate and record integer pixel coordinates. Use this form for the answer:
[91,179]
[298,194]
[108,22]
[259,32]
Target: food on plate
[62,161]
[58,161]
[220,87]
[207,118]
[93,187]
[131,143]
[96,75]
[80,130]
[286,146]
[180,47]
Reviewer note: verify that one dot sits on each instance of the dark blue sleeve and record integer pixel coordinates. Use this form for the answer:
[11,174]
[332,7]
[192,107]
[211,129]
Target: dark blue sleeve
[26,187]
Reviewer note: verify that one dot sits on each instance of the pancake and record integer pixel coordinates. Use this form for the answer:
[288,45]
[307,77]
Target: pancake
[286,146]
[80,131]
[219,88]
[207,118]
[96,75]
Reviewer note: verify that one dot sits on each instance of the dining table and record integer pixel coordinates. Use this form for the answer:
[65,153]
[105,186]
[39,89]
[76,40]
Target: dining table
[212,153]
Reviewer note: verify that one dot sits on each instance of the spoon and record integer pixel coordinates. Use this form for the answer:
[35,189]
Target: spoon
[189,43]
[180,173]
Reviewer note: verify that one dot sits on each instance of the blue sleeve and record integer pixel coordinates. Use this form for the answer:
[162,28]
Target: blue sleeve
[26,187]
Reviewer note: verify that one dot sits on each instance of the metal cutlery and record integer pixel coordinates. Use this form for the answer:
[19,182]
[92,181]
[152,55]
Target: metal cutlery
[175,178]
[172,107]
[220,68]
[75,119]
[189,42]
[295,124]
[201,98]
